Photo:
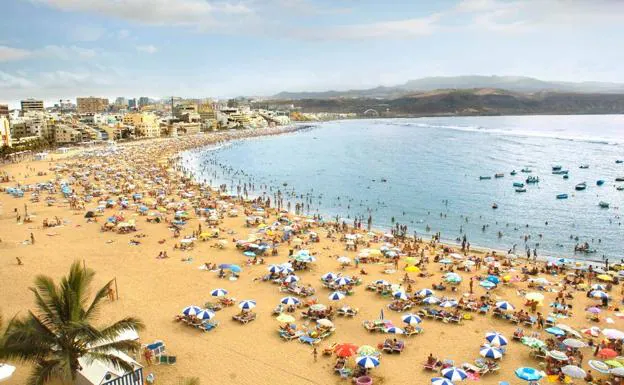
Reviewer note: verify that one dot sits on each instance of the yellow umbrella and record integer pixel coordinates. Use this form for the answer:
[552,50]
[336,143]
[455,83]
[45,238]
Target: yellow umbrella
[535,297]
[285,318]
[375,252]
[604,277]
[412,269]
[507,278]
[411,260]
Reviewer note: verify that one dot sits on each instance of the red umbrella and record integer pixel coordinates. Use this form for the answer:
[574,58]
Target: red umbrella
[607,353]
[345,350]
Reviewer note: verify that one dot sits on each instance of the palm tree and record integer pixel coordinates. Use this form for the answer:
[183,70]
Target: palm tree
[60,330]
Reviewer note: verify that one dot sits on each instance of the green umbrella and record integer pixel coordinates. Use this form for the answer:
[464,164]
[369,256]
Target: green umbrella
[533,342]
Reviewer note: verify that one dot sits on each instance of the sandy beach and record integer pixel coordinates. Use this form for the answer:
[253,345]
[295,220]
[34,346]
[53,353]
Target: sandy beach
[157,289]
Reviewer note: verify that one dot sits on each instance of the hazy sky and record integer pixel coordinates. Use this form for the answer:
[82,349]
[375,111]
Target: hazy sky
[54,49]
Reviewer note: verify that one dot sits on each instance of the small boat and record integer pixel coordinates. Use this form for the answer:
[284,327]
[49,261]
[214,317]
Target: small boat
[584,166]
[560,172]
[556,168]
[513,172]
[566,176]
[494,206]
[603,205]
[518,184]
[532,179]
[599,182]
[485,177]
[526,170]
[619,179]
[499,175]
[620,188]
[619,161]
[520,190]
[562,196]
[580,186]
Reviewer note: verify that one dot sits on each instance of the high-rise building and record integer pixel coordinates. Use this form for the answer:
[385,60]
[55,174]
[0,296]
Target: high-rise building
[31,105]
[143,101]
[92,104]
[121,101]
[5,132]
[4,110]
[132,103]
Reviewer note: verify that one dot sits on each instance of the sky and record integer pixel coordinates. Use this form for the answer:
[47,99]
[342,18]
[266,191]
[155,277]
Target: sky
[61,49]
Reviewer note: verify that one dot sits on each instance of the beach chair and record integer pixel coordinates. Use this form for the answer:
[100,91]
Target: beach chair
[455,319]
[345,373]
[290,336]
[306,339]
[484,309]
[411,331]
[518,334]
[387,347]
[329,350]
[208,326]
[430,366]
[531,321]
[398,347]
[469,368]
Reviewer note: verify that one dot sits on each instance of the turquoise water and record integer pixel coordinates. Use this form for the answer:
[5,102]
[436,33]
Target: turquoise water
[432,168]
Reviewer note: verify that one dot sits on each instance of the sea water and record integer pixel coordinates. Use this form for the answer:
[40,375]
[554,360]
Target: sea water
[424,173]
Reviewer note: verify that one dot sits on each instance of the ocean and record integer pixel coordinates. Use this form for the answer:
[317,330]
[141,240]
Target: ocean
[425,173]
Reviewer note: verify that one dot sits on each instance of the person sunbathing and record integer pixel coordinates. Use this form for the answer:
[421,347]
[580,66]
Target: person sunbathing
[431,360]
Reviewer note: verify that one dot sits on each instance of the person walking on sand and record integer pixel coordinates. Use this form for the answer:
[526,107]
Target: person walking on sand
[32,239]
[315,353]
[19,261]
[471,284]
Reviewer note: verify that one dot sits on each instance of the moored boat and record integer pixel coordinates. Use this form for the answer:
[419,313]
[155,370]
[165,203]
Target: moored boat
[494,206]
[580,186]
[584,166]
[619,179]
[620,188]
[556,168]
[499,175]
[603,204]
[520,190]
[566,176]
[599,182]
[485,177]
[518,184]
[619,161]
[513,172]
[560,172]
[562,196]
[526,170]
[532,179]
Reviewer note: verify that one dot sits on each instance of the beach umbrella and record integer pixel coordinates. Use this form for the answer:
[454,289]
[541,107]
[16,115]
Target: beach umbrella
[285,318]
[318,307]
[275,269]
[440,381]
[329,276]
[535,297]
[555,331]
[533,342]
[345,349]
[325,322]
[573,371]
[613,334]
[614,363]
[395,330]
[593,331]
[504,305]
[235,268]
[490,352]
[449,303]
[599,294]
[367,362]
[247,304]
[412,269]
[558,355]
[249,254]
[290,301]
[456,256]
[598,286]
[569,330]
[454,374]
[205,314]
[607,353]
[411,319]
[599,366]
[219,293]
[381,282]
[431,300]
[336,296]
[496,339]
[191,310]
[618,372]
[574,343]
[529,374]
[411,260]
[446,261]
[344,260]
[367,350]
[452,278]
[343,281]
[6,371]
[604,277]
[424,293]
[593,310]
[291,279]
[494,279]
[287,270]
[399,294]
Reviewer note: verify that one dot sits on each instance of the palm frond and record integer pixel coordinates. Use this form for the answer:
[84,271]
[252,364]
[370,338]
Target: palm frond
[44,371]
[110,359]
[92,310]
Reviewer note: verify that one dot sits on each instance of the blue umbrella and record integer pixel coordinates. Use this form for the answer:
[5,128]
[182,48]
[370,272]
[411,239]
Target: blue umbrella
[224,266]
[599,294]
[247,304]
[329,276]
[440,381]
[487,285]
[291,279]
[424,293]
[431,300]
[490,352]
[342,281]
[394,330]
[367,361]
[496,339]
[529,374]
[336,296]
[275,269]
[411,319]
[494,279]
[452,278]
[218,292]
[290,301]
[454,374]
[205,314]
[191,310]
[143,208]
[249,254]
[449,303]
[399,294]
[235,268]
[504,305]
[555,331]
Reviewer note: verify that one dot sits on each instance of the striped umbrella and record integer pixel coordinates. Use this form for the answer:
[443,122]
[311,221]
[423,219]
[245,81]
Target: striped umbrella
[394,330]
[382,282]
[598,286]
[275,269]
[490,352]
[205,314]
[336,296]
[574,343]
[454,374]
[191,310]
[343,281]
[291,279]
[449,303]
[247,304]
[399,294]
[440,381]
[504,305]
[424,293]
[219,293]
[598,366]
[411,319]
[287,270]
[573,371]
[487,285]
[496,339]
[329,276]
[599,294]
[290,301]
[558,355]
[367,362]
[431,300]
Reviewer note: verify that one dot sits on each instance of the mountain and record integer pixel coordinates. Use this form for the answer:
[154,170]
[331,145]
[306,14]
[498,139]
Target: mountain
[511,83]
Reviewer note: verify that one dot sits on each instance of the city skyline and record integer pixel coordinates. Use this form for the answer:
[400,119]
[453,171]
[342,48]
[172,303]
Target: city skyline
[197,48]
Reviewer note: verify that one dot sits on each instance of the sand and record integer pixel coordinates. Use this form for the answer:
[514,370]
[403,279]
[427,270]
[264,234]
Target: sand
[157,289]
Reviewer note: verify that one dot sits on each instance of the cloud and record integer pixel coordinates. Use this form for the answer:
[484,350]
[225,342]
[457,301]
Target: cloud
[308,8]
[8,81]
[147,48]
[66,52]
[87,33]
[13,54]
[123,34]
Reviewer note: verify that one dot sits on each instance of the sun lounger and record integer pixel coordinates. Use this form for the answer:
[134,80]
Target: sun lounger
[413,331]
[374,326]
[398,347]
[530,321]
[430,366]
[244,318]
[474,369]
[454,319]
[347,312]
[290,336]
[345,372]
[306,339]
[208,326]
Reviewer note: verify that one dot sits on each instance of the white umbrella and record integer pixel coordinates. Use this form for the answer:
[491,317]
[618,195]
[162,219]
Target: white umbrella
[6,371]
[573,371]
[344,260]
[325,322]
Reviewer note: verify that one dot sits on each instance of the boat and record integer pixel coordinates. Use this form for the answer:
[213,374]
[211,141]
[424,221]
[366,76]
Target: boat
[584,166]
[619,179]
[584,248]
[520,190]
[580,186]
[619,161]
[518,184]
[499,175]
[603,205]
[566,176]
[599,182]
[556,168]
[620,188]
[560,172]
[494,206]
[532,179]
[513,172]
[526,170]
[485,177]
[562,196]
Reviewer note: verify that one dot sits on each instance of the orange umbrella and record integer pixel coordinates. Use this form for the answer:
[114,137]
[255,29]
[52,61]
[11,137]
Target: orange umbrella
[345,350]
[607,353]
